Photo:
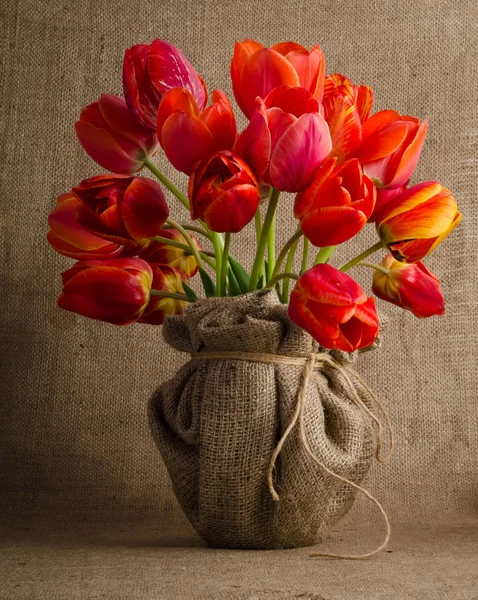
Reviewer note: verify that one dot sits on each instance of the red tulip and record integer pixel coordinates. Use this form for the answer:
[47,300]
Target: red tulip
[188,135]
[414,223]
[286,140]
[113,137]
[164,254]
[69,238]
[151,70]
[256,71]
[334,309]
[124,210]
[223,192]
[360,96]
[413,287]
[115,291]
[166,279]
[391,147]
[337,204]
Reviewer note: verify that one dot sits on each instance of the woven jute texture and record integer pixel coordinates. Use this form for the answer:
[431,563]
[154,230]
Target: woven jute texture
[217,423]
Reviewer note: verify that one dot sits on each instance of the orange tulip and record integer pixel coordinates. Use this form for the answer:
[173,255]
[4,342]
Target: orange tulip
[412,287]
[188,135]
[414,223]
[391,147]
[69,238]
[161,253]
[165,279]
[361,96]
[256,71]
[337,204]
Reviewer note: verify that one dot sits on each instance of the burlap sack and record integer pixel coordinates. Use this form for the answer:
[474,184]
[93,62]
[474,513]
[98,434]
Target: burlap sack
[217,423]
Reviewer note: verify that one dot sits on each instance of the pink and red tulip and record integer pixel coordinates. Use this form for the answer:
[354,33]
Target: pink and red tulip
[188,135]
[391,147]
[116,291]
[412,287]
[223,192]
[256,71]
[69,238]
[122,209]
[361,96]
[151,70]
[165,279]
[415,222]
[161,253]
[337,204]
[334,309]
[113,137]
[286,140]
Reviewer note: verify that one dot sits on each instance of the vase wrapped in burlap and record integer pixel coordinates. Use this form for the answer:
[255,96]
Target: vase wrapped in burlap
[218,421]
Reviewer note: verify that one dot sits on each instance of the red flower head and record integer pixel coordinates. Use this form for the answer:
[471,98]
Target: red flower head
[164,254]
[115,291]
[151,70]
[69,238]
[334,309]
[337,204]
[121,209]
[391,147]
[256,71]
[188,135]
[223,192]
[286,140]
[415,222]
[413,287]
[113,137]
[165,279]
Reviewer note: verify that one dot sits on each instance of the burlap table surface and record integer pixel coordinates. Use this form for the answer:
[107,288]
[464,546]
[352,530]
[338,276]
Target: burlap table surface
[86,503]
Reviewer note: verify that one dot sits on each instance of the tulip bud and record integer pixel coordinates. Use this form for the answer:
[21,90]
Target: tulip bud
[415,222]
[151,70]
[223,192]
[188,135]
[113,137]
[256,71]
[412,287]
[334,309]
[161,253]
[286,140]
[336,205]
[69,238]
[391,147]
[115,291]
[165,279]
[121,209]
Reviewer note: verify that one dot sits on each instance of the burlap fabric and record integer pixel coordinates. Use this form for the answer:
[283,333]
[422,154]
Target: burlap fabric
[86,508]
[217,423]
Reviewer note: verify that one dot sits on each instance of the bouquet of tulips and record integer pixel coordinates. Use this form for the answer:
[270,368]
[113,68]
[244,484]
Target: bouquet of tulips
[309,134]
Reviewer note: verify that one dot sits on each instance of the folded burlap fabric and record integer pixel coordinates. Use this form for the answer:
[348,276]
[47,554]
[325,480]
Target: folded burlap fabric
[219,424]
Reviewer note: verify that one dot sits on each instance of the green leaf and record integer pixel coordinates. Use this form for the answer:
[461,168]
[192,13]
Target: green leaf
[281,297]
[242,276]
[207,283]
[260,283]
[190,293]
[234,289]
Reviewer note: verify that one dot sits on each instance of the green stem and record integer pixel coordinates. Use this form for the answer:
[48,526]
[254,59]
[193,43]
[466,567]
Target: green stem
[198,230]
[383,270]
[169,295]
[305,256]
[324,254]
[288,267]
[283,253]
[271,248]
[187,237]
[258,224]
[360,257]
[169,184]
[224,266]
[280,276]
[217,239]
[261,246]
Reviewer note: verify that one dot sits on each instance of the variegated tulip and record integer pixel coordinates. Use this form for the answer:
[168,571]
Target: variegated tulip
[161,253]
[412,287]
[165,279]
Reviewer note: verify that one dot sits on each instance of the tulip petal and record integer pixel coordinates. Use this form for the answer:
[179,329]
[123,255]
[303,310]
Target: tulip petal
[175,100]
[327,285]
[141,97]
[414,196]
[344,124]
[254,144]
[305,199]
[383,143]
[332,225]
[364,102]
[143,209]
[219,119]
[410,157]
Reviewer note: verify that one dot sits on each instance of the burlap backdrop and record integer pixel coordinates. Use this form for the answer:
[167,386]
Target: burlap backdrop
[76,453]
